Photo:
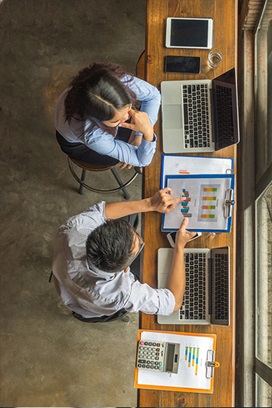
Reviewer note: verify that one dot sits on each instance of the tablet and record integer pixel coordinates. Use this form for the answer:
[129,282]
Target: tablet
[189,33]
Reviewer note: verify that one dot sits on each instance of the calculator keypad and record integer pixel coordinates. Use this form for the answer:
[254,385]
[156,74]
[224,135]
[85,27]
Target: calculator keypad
[151,355]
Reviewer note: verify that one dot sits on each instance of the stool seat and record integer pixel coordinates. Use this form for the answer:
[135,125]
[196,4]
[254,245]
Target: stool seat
[90,166]
[96,168]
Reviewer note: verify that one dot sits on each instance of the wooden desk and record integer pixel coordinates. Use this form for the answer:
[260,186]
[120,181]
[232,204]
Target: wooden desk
[224,13]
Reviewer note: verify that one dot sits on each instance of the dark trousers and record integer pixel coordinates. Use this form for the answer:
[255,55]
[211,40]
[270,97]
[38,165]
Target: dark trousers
[100,319]
[80,152]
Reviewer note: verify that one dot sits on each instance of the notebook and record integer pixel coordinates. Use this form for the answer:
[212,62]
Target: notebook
[207,292]
[200,115]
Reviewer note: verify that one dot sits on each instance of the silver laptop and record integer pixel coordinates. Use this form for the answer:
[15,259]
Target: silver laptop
[207,292]
[200,115]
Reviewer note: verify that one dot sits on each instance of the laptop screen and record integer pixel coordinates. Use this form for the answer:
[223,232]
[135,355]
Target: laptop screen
[225,110]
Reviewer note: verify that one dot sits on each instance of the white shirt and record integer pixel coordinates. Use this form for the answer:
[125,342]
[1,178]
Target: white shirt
[96,293]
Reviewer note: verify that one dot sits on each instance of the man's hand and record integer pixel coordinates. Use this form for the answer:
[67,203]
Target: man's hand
[183,236]
[163,202]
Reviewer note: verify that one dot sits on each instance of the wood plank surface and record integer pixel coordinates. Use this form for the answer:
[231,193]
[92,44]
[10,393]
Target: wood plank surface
[224,14]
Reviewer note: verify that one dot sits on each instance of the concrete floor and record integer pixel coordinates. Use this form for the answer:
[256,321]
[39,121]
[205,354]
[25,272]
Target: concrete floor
[48,358]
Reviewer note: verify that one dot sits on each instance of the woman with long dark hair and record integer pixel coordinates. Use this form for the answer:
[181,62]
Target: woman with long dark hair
[97,120]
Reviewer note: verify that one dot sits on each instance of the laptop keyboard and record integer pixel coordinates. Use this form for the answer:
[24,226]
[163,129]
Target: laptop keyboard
[196,115]
[221,285]
[225,134]
[194,301]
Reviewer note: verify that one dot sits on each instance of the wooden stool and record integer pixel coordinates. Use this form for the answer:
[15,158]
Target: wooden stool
[92,167]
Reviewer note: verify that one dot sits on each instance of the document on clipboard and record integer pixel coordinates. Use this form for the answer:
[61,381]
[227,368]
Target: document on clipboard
[172,164]
[187,366]
[207,199]
[207,186]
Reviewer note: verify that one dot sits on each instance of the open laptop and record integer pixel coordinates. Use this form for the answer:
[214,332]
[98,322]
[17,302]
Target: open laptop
[207,292]
[200,115]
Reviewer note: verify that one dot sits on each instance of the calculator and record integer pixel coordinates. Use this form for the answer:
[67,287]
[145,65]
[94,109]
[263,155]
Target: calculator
[158,356]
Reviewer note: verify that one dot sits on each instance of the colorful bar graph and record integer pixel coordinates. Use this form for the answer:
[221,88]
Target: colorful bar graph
[196,364]
[209,189]
[208,198]
[185,203]
[208,207]
[184,209]
[191,355]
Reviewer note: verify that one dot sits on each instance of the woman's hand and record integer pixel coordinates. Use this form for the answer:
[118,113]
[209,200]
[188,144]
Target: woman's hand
[140,122]
[135,140]
[125,166]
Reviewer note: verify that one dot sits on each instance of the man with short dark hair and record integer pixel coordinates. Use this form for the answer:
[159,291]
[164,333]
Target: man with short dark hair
[93,254]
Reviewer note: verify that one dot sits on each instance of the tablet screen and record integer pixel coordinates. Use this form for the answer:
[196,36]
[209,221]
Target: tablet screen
[189,33]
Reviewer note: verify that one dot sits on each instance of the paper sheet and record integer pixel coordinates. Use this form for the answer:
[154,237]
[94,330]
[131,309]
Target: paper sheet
[174,165]
[203,199]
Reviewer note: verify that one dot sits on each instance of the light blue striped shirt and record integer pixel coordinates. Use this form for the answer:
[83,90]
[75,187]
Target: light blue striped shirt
[95,293]
[106,144]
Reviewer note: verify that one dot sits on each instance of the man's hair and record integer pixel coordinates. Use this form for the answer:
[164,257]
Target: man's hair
[97,92]
[109,246]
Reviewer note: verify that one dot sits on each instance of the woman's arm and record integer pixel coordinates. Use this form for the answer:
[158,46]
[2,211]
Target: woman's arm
[105,144]
[148,95]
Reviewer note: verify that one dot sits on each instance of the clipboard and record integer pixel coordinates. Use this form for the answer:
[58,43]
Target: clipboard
[206,198]
[228,202]
[195,376]
[173,164]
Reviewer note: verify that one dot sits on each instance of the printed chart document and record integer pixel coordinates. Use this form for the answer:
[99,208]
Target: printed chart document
[192,369]
[203,201]
[207,186]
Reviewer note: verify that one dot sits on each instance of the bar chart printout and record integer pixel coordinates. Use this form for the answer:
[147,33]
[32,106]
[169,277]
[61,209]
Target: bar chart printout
[191,375]
[208,208]
[191,355]
[202,199]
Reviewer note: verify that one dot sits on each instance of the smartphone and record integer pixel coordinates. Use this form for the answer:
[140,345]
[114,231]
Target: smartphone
[172,237]
[182,64]
[189,33]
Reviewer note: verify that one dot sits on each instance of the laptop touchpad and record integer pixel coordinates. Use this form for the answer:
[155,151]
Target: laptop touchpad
[172,116]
